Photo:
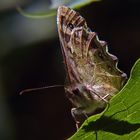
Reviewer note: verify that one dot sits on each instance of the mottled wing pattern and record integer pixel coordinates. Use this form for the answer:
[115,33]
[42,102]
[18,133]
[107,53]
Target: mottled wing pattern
[67,22]
[92,73]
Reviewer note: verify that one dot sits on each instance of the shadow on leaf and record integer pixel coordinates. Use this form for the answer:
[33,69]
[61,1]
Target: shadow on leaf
[108,124]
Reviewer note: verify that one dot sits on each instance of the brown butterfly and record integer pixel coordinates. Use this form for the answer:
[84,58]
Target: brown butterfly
[92,74]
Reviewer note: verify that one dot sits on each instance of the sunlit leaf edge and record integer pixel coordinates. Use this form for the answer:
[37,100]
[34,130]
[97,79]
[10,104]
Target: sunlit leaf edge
[52,11]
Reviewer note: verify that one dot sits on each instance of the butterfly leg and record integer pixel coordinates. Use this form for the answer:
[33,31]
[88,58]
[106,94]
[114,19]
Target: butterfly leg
[79,116]
[74,114]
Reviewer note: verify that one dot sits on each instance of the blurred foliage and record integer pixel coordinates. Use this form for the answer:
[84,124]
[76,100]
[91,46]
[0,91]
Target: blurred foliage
[120,120]
[21,30]
[53,8]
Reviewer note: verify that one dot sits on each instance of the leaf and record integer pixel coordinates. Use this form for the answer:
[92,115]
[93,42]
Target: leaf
[121,119]
[80,3]
[38,15]
[51,11]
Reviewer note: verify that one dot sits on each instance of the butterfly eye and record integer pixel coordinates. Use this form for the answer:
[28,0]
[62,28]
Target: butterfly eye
[71,26]
[76,92]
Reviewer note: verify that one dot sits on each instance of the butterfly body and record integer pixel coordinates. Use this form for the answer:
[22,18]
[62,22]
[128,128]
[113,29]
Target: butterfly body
[92,73]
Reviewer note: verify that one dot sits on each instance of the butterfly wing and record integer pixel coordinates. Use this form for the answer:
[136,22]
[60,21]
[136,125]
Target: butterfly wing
[86,57]
[92,73]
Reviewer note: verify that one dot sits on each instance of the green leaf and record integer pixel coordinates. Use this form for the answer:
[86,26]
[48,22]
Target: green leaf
[51,11]
[121,119]
[80,3]
[37,15]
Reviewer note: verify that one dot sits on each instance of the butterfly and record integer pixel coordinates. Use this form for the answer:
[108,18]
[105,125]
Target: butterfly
[92,76]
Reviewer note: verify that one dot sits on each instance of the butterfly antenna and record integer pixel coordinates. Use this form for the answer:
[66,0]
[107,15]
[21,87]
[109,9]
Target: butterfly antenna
[40,88]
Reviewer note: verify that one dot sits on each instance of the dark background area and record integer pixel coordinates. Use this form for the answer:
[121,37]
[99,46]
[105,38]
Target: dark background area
[45,114]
